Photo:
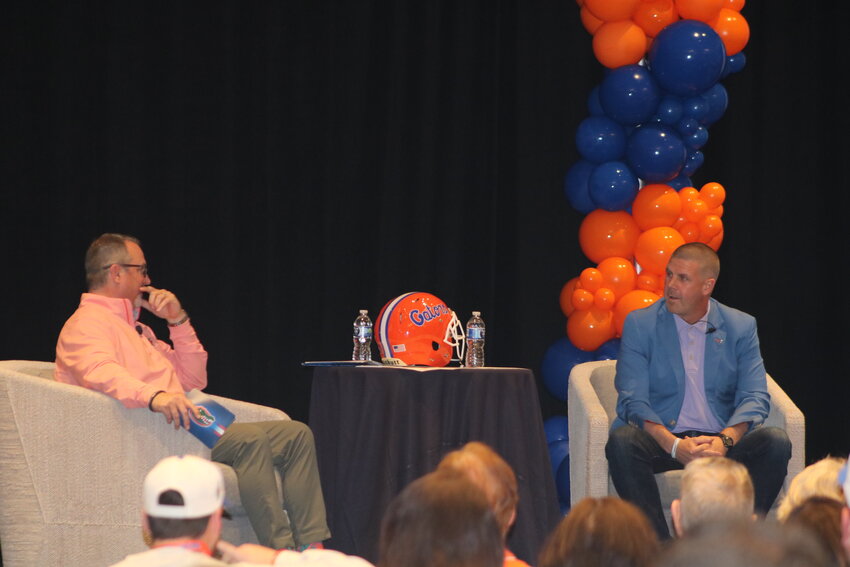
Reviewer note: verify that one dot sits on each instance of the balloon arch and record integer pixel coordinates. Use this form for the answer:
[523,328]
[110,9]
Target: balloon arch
[639,146]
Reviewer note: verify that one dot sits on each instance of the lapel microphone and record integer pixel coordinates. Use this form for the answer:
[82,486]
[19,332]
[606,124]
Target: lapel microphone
[711,328]
[139,330]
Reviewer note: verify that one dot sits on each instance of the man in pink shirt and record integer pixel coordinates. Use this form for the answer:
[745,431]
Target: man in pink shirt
[104,347]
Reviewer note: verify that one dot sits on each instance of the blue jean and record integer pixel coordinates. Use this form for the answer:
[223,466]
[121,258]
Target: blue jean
[634,457]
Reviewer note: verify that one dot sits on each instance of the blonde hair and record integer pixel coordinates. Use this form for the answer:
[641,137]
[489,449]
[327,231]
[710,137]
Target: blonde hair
[484,467]
[715,488]
[817,479]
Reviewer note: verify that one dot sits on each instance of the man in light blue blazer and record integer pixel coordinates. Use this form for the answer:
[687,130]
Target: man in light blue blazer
[691,383]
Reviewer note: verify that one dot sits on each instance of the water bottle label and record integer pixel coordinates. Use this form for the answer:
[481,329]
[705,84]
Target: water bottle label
[474,334]
[363,332]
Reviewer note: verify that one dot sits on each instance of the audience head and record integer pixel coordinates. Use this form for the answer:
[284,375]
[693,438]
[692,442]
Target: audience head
[745,543]
[821,515]
[605,532]
[492,474]
[105,250]
[713,488]
[183,498]
[844,482]
[440,520]
[818,479]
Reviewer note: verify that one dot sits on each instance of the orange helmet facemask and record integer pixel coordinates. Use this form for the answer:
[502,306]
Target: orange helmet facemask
[418,328]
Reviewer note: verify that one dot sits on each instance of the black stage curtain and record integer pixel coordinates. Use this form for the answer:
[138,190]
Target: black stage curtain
[288,163]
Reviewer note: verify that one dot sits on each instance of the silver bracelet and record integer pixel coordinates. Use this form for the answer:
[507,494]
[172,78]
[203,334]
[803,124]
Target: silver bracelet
[181,321]
[675,445]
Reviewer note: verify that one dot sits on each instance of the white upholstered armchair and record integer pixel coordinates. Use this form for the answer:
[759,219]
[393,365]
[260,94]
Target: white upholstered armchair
[72,463]
[591,408]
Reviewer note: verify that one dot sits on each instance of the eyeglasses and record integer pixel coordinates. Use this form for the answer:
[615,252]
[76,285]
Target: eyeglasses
[143,268]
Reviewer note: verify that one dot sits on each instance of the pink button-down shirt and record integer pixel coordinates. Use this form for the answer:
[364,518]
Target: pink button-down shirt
[103,347]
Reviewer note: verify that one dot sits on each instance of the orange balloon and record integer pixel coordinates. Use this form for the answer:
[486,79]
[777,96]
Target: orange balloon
[713,194]
[604,298]
[733,29]
[689,231]
[587,330]
[654,15]
[582,300]
[656,205]
[590,22]
[688,194]
[603,234]
[694,210]
[590,279]
[618,275]
[636,299]
[619,43]
[566,298]
[654,247]
[715,242]
[611,10]
[718,211]
[702,10]
[736,5]
[648,281]
[709,227]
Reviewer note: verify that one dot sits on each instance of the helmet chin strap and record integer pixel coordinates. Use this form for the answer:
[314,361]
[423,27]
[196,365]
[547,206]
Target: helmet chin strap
[455,337]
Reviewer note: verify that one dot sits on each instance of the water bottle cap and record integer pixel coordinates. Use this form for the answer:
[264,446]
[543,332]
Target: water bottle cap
[364,311]
[476,313]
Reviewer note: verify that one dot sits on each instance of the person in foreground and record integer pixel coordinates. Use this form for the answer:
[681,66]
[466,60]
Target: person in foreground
[817,479]
[605,532]
[103,346]
[691,383]
[182,513]
[747,544]
[822,516]
[441,519]
[714,489]
[496,478]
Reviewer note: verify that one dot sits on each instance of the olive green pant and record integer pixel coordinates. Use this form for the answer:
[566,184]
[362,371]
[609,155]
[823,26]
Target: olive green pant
[254,450]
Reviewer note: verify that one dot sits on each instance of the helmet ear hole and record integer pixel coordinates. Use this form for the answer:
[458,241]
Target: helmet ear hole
[435,345]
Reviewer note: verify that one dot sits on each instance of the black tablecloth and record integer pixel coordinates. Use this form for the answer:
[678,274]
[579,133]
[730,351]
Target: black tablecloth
[379,428]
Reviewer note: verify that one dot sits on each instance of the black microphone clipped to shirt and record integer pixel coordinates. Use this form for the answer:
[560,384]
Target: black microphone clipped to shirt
[139,330]
[710,329]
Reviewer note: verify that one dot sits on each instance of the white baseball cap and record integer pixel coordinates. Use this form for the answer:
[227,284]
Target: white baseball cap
[198,481]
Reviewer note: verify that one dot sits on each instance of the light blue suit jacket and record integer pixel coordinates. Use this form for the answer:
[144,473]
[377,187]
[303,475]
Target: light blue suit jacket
[650,378]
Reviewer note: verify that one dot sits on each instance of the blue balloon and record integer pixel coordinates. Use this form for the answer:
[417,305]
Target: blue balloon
[558,451]
[558,361]
[680,182]
[594,106]
[562,483]
[696,139]
[670,110]
[693,162]
[687,57]
[629,95]
[608,351]
[655,152]
[600,139]
[717,99]
[556,428]
[696,107]
[734,63]
[613,186]
[576,188]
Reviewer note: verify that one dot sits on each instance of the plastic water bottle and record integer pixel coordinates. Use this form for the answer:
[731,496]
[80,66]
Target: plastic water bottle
[362,337]
[475,341]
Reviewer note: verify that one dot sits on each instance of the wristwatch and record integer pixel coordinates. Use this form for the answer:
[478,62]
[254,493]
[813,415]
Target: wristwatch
[727,441]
